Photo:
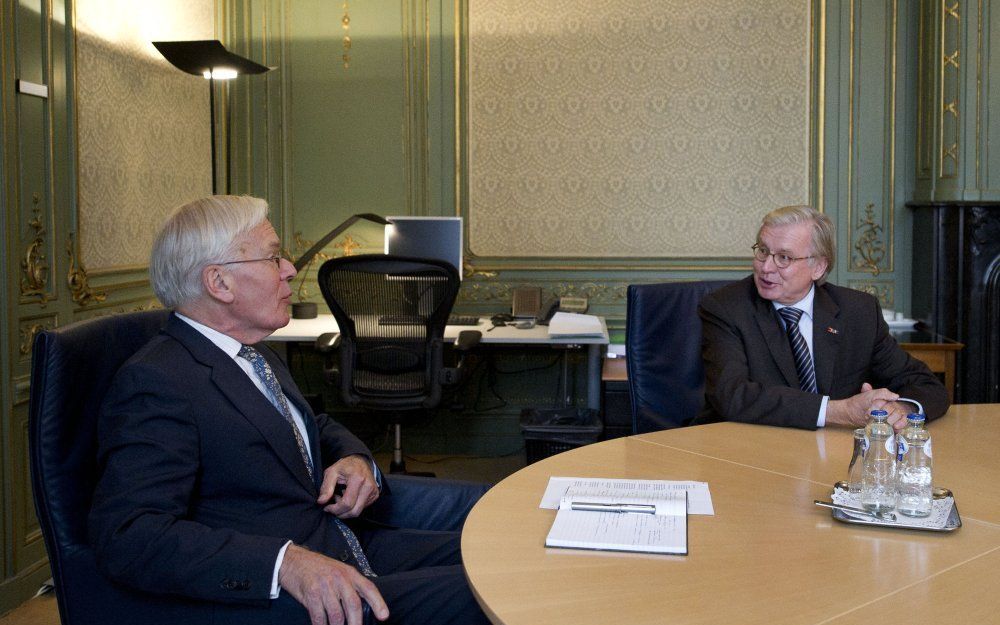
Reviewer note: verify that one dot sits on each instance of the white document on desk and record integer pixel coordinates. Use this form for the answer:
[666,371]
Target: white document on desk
[699,498]
[660,529]
[574,324]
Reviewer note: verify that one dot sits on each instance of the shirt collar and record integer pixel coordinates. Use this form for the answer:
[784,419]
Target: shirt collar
[223,341]
[805,304]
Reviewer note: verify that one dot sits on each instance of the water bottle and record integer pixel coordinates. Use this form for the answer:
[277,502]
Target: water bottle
[856,467]
[914,459]
[878,480]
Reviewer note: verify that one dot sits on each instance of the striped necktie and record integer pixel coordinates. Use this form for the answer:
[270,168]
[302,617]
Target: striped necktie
[280,402]
[803,359]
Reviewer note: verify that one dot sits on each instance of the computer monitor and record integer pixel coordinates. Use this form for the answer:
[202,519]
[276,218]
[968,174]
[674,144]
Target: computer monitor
[426,237]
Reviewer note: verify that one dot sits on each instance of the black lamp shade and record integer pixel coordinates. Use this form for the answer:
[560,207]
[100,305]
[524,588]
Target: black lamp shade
[198,57]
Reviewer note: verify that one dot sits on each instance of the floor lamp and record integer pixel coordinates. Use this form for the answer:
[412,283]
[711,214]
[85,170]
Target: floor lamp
[208,58]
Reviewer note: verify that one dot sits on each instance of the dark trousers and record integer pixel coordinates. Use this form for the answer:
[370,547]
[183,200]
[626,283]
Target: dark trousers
[420,577]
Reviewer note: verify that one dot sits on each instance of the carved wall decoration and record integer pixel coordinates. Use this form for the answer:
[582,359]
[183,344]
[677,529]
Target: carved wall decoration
[869,249]
[77,279]
[143,127]
[658,129]
[949,129]
[34,269]
[498,292]
[883,291]
[345,23]
[28,329]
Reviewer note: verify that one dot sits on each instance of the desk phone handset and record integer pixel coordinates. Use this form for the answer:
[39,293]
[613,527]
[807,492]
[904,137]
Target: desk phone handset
[562,304]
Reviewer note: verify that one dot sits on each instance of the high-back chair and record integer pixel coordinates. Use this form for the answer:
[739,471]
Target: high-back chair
[666,377]
[392,312]
[71,370]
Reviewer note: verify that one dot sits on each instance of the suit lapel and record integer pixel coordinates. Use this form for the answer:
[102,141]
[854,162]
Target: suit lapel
[234,384]
[775,339]
[826,339]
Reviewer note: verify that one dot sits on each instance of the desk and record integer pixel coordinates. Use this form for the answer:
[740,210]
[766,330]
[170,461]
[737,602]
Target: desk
[768,556]
[935,351]
[309,329]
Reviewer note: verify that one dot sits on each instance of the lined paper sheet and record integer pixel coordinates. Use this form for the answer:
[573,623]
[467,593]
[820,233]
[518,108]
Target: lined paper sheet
[698,496]
[663,532]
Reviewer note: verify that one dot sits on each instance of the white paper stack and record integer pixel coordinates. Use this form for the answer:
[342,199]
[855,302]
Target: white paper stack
[574,324]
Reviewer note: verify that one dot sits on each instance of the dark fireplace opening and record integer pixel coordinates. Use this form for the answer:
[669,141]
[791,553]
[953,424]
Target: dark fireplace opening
[957,244]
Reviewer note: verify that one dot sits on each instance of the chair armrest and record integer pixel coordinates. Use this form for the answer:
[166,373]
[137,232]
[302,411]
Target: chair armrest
[327,342]
[467,339]
[425,503]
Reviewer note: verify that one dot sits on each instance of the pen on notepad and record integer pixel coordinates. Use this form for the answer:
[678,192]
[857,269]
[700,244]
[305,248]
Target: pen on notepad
[612,507]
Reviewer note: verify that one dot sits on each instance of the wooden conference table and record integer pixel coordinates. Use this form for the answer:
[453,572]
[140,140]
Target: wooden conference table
[768,555]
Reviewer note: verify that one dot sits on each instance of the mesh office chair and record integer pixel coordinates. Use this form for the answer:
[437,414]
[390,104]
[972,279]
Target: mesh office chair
[666,377]
[392,312]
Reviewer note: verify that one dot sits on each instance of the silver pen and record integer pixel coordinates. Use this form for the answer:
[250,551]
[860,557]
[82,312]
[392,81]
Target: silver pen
[613,507]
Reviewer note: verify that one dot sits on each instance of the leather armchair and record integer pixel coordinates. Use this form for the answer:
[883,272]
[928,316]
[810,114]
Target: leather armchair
[666,377]
[71,370]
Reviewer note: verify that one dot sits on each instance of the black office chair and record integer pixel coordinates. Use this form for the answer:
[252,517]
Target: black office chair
[71,370]
[392,312]
[666,378]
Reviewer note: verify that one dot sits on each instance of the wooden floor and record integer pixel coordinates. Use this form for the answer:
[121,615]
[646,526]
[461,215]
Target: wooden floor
[43,611]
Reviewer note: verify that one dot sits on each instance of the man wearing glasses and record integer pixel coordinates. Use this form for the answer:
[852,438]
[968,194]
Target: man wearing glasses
[218,483]
[784,347]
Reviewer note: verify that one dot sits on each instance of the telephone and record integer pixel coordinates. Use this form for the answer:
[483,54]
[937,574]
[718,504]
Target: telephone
[562,304]
[526,302]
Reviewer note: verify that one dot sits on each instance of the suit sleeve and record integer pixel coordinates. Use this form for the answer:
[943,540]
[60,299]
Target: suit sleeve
[903,374]
[729,389]
[149,469]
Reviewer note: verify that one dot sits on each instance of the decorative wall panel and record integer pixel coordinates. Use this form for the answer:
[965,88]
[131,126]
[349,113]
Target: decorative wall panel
[143,131]
[648,128]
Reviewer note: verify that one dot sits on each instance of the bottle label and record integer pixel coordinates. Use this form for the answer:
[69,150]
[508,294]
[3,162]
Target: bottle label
[927,449]
[902,447]
[890,444]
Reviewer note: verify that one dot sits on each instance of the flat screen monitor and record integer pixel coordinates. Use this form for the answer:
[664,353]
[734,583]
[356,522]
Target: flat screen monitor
[426,237]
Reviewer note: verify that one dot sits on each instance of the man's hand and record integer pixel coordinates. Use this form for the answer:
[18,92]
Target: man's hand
[853,411]
[897,413]
[331,591]
[360,489]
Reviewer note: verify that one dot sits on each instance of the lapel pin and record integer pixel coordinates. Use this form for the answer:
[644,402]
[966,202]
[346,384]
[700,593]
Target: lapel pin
[831,330]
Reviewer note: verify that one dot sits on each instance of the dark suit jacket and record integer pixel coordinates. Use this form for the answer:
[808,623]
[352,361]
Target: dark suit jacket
[201,479]
[750,372]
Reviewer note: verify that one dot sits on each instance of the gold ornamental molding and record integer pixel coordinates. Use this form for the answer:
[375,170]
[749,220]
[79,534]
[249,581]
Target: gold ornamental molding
[34,269]
[28,333]
[949,77]
[883,291]
[869,248]
[345,23]
[483,292]
[76,277]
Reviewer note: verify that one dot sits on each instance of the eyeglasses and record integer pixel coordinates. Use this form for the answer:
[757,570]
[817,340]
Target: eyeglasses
[781,261]
[274,258]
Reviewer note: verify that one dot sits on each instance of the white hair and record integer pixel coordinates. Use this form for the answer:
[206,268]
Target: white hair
[197,234]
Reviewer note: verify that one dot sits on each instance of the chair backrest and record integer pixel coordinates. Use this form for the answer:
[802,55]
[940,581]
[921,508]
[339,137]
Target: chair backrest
[71,370]
[666,377]
[392,312]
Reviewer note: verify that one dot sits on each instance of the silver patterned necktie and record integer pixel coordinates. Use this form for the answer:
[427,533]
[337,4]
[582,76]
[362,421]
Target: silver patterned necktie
[800,351]
[280,402]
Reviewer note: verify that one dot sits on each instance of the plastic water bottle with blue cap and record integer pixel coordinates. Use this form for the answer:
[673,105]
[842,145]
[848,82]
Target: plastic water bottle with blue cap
[914,459]
[878,480]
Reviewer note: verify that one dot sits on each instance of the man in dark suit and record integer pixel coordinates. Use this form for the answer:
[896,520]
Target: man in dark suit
[784,347]
[219,484]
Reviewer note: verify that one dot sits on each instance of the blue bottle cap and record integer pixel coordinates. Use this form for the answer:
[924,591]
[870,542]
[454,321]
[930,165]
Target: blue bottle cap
[879,413]
[916,417]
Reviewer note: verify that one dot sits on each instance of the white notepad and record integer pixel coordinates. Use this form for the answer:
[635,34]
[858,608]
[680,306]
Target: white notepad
[660,528]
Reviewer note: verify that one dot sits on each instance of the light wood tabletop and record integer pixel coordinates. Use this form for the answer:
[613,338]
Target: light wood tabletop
[768,555]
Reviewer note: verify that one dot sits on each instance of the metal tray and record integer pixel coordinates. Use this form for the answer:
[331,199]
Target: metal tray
[953,523]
